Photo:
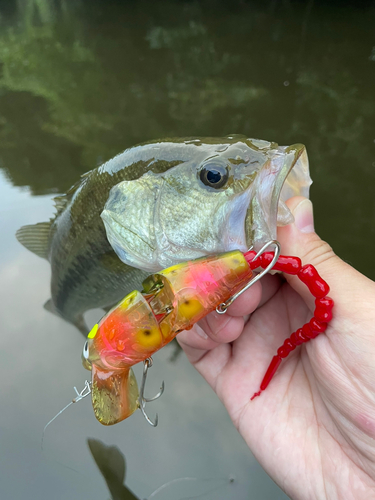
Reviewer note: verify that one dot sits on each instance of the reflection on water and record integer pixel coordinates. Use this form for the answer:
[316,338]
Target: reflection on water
[111,463]
[80,82]
[78,85]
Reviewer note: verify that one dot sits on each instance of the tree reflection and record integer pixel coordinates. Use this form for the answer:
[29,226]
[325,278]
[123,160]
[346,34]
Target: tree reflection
[80,82]
[79,85]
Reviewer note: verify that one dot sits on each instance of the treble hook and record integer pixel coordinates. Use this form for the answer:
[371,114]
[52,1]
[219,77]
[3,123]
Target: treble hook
[147,363]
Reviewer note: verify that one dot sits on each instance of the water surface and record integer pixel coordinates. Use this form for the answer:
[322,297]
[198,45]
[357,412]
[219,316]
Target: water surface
[80,82]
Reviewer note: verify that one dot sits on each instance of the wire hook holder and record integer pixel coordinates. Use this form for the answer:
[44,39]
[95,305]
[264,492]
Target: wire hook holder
[222,308]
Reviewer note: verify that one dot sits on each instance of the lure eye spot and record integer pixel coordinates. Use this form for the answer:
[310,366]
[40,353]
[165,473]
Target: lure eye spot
[149,337]
[85,352]
[214,175]
[189,308]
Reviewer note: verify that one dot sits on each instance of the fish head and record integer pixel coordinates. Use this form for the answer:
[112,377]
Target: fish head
[114,389]
[227,194]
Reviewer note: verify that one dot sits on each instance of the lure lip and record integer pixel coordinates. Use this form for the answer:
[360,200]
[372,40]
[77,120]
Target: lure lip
[114,394]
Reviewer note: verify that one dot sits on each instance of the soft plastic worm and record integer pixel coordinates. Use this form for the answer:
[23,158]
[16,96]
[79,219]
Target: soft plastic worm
[323,306]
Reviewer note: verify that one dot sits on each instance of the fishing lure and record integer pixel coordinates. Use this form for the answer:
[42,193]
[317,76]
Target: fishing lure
[173,300]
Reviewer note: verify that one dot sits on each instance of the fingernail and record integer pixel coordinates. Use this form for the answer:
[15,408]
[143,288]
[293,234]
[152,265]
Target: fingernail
[201,332]
[304,217]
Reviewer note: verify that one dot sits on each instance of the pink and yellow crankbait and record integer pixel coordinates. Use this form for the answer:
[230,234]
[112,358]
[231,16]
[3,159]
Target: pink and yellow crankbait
[174,300]
[142,323]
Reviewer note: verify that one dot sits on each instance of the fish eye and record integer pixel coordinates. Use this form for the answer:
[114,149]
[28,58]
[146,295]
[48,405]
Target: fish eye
[85,352]
[214,175]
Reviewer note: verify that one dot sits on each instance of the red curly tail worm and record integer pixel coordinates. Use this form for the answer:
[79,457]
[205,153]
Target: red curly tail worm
[322,313]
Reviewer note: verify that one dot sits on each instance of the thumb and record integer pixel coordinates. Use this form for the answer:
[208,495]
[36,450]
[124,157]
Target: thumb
[299,239]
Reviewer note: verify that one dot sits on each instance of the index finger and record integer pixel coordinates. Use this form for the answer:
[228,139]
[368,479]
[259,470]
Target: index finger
[216,329]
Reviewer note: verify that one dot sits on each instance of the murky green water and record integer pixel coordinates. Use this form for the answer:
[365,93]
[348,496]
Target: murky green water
[80,82]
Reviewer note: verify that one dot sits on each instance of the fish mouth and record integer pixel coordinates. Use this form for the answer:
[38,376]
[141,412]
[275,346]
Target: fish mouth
[284,175]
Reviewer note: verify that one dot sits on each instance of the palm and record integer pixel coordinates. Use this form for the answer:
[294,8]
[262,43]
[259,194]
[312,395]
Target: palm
[313,428]
[306,415]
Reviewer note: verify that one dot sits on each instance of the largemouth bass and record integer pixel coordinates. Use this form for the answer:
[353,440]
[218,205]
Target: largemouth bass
[165,201]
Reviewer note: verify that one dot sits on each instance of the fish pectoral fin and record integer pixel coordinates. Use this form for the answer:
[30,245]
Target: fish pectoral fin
[36,238]
[50,307]
[114,394]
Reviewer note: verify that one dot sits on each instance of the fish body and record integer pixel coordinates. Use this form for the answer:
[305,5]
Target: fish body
[162,202]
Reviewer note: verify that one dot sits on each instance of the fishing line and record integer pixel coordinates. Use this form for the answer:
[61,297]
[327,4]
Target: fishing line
[180,479]
[52,419]
[206,492]
[80,395]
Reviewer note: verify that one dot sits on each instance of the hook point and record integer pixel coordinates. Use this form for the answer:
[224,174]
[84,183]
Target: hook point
[142,399]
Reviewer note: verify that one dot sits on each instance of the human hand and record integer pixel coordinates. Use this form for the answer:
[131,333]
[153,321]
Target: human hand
[313,428]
